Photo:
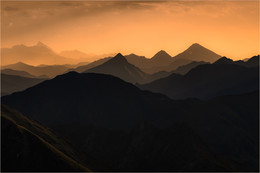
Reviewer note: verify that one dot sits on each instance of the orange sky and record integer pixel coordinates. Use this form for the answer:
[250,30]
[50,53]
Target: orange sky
[228,28]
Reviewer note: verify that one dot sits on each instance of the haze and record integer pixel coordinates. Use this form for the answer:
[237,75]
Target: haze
[228,28]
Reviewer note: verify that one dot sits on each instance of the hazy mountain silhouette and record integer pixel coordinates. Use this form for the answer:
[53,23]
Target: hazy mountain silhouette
[18,73]
[80,56]
[83,68]
[186,68]
[196,52]
[139,61]
[13,83]
[29,146]
[21,73]
[36,54]
[119,67]
[161,58]
[208,81]
[50,71]
[128,129]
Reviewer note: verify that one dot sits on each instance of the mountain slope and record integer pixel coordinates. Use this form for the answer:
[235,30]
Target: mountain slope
[196,52]
[208,81]
[29,146]
[12,83]
[128,129]
[119,67]
[83,68]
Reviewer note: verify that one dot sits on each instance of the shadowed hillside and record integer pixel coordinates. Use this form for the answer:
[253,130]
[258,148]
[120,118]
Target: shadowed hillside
[127,129]
[29,146]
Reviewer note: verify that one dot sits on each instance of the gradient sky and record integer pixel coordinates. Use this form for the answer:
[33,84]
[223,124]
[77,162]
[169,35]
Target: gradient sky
[229,28]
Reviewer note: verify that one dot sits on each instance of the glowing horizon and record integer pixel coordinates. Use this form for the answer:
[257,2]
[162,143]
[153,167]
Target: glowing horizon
[229,29]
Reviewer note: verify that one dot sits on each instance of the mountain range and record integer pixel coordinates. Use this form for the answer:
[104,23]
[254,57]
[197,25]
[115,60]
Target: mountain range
[161,61]
[210,80]
[128,129]
[36,54]
[46,70]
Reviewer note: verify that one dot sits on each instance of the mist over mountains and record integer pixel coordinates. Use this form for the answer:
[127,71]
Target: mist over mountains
[196,111]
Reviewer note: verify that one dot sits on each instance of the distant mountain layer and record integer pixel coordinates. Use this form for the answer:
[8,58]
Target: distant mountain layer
[210,80]
[186,68]
[21,73]
[127,129]
[28,146]
[119,66]
[162,61]
[36,54]
[196,52]
[50,71]
[13,83]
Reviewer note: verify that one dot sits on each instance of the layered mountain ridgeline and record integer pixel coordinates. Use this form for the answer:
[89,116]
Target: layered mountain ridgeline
[210,80]
[128,129]
[21,73]
[46,70]
[119,66]
[186,68]
[29,146]
[161,61]
[13,83]
[195,53]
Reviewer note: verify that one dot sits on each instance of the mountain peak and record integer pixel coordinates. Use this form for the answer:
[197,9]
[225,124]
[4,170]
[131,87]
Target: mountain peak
[161,53]
[119,55]
[196,52]
[196,46]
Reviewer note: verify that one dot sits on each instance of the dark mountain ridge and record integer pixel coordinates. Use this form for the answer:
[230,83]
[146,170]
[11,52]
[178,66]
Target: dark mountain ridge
[208,81]
[128,129]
